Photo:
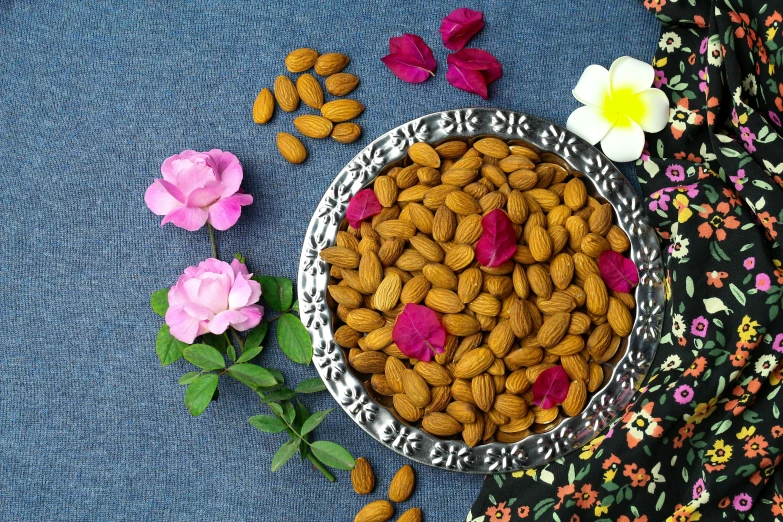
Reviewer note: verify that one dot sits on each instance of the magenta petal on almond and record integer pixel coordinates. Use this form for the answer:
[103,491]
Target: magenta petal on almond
[498,241]
[466,79]
[410,59]
[551,387]
[618,272]
[418,333]
[363,205]
[460,26]
[478,60]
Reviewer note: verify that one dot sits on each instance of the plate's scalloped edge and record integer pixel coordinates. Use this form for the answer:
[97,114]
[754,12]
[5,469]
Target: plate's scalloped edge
[410,441]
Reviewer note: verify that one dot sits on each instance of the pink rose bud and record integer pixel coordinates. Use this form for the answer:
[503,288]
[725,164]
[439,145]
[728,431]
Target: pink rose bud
[199,187]
[210,298]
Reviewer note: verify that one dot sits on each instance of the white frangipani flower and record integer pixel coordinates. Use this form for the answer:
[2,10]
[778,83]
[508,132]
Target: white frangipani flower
[619,107]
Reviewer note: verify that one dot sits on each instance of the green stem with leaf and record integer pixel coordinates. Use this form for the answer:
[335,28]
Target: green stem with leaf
[212,240]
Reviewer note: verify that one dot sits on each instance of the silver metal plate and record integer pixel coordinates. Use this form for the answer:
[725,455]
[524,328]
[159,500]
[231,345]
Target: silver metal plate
[577,156]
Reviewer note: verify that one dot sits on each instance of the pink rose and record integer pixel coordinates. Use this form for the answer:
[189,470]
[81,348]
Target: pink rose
[210,298]
[198,187]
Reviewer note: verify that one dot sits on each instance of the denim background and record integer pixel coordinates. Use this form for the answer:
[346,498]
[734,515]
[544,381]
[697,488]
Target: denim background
[93,97]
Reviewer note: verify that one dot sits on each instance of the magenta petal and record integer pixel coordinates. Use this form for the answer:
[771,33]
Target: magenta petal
[159,200]
[460,26]
[363,205]
[205,196]
[253,315]
[182,326]
[225,213]
[410,59]
[550,387]
[466,79]
[240,293]
[228,169]
[167,168]
[498,241]
[188,218]
[418,333]
[478,60]
[172,189]
[223,320]
[618,272]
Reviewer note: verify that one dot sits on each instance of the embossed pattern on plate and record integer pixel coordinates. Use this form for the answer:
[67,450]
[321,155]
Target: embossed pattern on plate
[604,405]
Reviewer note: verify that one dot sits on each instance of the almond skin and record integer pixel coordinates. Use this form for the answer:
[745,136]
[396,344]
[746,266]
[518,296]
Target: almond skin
[412,515]
[492,147]
[402,484]
[474,363]
[299,60]
[330,63]
[423,154]
[285,94]
[263,107]
[362,477]
[415,387]
[310,91]
[313,126]
[341,110]
[291,148]
[377,511]
[346,132]
[340,84]
[441,424]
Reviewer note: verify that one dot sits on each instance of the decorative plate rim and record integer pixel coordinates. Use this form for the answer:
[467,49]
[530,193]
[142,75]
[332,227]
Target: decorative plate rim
[497,457]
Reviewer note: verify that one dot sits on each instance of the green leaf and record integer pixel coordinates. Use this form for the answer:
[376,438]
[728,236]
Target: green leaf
[239,257]
[249,353]
[278,292]
[159,301]
[295,306]
[285,453]
[689,286]
[267,423]
[276,408]
[289,412]
[200,392]
[204,356]
[168,348]
[294,339]
[277,375]
[231,352]
[189,377]
[737,293]
[256,336]
[333,455]
[282,394]
[251,374]
[314,420]
[215,341]
[313,385]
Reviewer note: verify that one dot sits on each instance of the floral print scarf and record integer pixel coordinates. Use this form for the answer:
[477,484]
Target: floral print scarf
[703,438]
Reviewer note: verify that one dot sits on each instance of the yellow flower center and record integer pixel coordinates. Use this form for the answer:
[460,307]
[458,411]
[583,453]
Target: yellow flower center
[622,104]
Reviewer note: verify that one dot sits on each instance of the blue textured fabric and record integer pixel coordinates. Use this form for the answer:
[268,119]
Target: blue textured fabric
[94,97]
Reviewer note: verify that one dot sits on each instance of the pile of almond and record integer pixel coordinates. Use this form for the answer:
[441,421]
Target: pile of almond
[546,306]
[333,120]
[400,490]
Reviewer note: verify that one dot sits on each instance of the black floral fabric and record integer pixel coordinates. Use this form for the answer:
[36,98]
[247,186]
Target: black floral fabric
[703,438]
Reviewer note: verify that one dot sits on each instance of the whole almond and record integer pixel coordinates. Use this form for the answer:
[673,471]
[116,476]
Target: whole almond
[378,339]
[341,110]
[370,271]
[412,515]
[444,223]
[459,257]
[388,293]
[584,265]
[416,389]
[390,251]
[394,370]
[381,385]
[364,320]
[580,324]
[596,377]
[330,63]
[461,325]
[519,319]
[597,295]
[313,126]
[463,412]
[346,132]
[619,317]
[415,290]
[299,60]
[485,304]
[424,154]
[501,338]
[540,244]
[441,424]
[462,203]
[443,301]
[510,405]
[469,284]
[599,340]
[546,199]
[376,511]
[340,84]
[568,345]
[469,230]
[601,220]
[575,195]
[369,362]
[540,281]
[452,149]
[405,407]
[408,176]
[474,363]
[483,389]
[577,229]
[553,329]
[347,337]
[517,383]
[385,189]
[440,276]
[422,219]
[285,94]
[472,433]
[576,367]
[346,296]
[362,477]
[515,162]
[433,373]
[396,228]
[617,239]
[593,245]
[574,402]
[492,147]
[441,396]
[340,256]
[292,150]
[427,247]
[460,390]
[561,270]
[263,107]
[557,302]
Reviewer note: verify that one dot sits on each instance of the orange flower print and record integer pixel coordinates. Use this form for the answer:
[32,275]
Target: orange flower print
[755,446]
[654,5]
[624,518]
[717,221]
[640,424]
[714,278]
[499,513]
[744,397]
[724,502]
[702,411]
[610,461]
[696,368]
[523,511]
[639,477]
[574,518]
[769,223]
[685,513]
[562,492]
[777,431]
[766,469]
[739,357]
[585,498]
[777,505]
[684,433]
[681,116]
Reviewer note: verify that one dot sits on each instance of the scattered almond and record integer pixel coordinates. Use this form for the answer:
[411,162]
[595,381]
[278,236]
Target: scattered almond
[263,107]
[285,94]
[291,148]
[362,477]
[402,484]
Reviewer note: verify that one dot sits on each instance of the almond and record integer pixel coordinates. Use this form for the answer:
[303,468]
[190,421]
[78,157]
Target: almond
[441,396]
[501,338]
[369,362]
[558,216]
[436,196]
[462,203]
[593,245]
[330,63]
[341,110]
[510,405]
[340,256]
[576,367]
[347,337]
[515,162]
[313,126]
[460,324]
[483,390]
[381,385]
[519,319]
[469,284]
[285,94]
[540,244]
[485,304]
[561,270]
[599,340]
[574,402]
[390,251]
[263,107]
[546,199]
[518,425]
[433,373]
[396,228]
[427,247]
[494,174]
[415,290]
[408,176]
[492,147]
[459,257]
[364,320]
[310,91]
[362,477]
[440,276]
[460,177]
[553,329]
[580,324]
[346,296]
[377,511]
[340,84]
[421,217]
[569,345]
[405,407]
[388,293]
[461,391]
[575,195]
[394,370]
[292,150]
[441,424]
[596,377]
[558,302]
[619,317]
[540,281]
[601,220]
[370,271]
[385,189]
[443,301]
[299,60]
[597,296]
[412,515]
[471,433]
[424,154]
[444,223]
[584,266]
[416,388]
[617,239]
[545,416]
[577,229]
[474,362]
[452,149]
[462,412]
[378,339]
[346,132]
[469,230]
[517,383]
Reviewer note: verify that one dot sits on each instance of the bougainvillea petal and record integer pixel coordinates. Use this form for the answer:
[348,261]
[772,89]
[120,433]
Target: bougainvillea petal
[466,79]
[551,387]
[618,272]
[479,60]
[418,333]
[363,205]
[410,59]
[498,242]
[460,26]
